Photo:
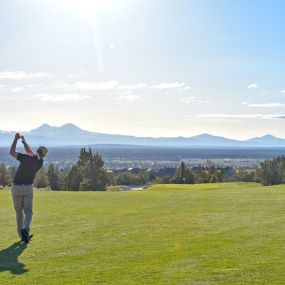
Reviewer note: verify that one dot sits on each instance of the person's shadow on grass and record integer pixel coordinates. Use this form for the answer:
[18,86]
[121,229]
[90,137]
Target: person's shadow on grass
[9,258]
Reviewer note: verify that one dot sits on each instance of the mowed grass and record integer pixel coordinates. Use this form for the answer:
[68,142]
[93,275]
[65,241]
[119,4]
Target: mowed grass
[231,233]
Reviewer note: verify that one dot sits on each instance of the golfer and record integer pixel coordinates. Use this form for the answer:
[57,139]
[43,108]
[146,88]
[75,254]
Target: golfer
[22,189]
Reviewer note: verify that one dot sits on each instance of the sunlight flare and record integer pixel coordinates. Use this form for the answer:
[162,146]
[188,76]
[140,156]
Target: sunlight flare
[85,8]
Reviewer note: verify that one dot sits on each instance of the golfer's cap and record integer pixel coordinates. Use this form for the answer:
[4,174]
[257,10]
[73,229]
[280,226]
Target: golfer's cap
[42,151]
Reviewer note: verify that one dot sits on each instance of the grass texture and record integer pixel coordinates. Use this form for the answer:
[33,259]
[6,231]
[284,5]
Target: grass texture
[227,233]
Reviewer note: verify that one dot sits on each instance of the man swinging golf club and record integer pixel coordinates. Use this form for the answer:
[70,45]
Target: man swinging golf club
[22,189]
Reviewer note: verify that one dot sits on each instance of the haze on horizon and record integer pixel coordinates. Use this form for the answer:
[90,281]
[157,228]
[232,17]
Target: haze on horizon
[144,68]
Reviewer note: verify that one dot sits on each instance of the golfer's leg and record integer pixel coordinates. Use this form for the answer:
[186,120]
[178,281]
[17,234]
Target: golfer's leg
[28,208]
[18,201]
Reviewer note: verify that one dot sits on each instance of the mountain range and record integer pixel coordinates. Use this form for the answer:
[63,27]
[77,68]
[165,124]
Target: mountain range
[71,135]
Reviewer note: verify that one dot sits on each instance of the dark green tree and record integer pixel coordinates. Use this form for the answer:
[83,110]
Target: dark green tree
[201,175]
[271,172]
[73,179]
[91,167]
[183,175]
[88,173]
[41,180]
[183,170]
[53,177]
[5,178]
[12,172]
[142,177]
[245,175]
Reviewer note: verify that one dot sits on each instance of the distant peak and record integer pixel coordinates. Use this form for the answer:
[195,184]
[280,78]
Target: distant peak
[45,126]
[69,126]
[206,135]
[42,127]
[66,129]
[269,136]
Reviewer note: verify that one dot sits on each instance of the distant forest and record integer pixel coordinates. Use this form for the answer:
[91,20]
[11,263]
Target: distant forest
[89,173]
[118,157]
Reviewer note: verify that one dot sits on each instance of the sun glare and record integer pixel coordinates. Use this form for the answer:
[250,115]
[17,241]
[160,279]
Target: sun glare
[85,7]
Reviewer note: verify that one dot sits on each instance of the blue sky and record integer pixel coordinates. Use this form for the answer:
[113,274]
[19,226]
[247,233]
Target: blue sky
[142,67]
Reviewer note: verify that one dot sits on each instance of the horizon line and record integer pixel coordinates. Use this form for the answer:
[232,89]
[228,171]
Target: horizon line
[141,136]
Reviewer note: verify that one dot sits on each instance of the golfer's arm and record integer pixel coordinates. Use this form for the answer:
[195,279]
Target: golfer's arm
[13,148]
[28,150]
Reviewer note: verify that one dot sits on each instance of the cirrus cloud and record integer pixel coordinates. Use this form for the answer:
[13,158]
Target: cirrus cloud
[193,99]
[265,105]
[242,116]
[48,97]
[128,97]
[132,86]
[166,85]
[252,85]
[20,75]
[90,85]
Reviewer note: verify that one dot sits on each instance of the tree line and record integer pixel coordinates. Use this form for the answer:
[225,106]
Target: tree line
[269,172]
[89,174]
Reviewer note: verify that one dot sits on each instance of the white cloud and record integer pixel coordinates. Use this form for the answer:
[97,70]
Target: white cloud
[252,85]
[87,85]
[132,86]
[19,75]
[128,97]
[17,89]
[265,105]
[193,99]
[185,88]
[242,116]
[169,85]
[188,100]
[282,91]
[47,97]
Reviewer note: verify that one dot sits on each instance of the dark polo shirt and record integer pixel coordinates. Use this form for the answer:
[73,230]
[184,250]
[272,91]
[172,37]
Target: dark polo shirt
[26,171]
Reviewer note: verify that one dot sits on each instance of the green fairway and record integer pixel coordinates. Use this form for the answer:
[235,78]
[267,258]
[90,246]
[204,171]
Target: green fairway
[231,233]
